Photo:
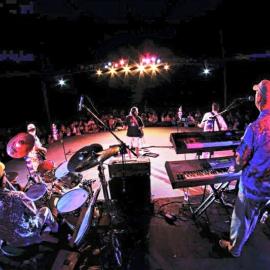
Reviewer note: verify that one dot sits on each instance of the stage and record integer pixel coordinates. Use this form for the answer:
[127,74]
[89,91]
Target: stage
[150,241]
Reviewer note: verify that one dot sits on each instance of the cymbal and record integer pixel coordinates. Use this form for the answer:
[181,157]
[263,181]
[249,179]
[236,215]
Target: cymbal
[20,145]
[85,158]
[105,154]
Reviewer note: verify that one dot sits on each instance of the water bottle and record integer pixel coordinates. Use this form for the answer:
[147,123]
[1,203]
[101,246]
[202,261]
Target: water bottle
[264,217]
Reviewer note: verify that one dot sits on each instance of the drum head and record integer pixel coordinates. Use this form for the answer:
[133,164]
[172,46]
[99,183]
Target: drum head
[61,170]
[72,200]
[36,191]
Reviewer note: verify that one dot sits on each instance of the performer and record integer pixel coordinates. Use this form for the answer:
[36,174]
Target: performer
[36,155]
[253,158]
[135,129]
[21,224]
[213,121]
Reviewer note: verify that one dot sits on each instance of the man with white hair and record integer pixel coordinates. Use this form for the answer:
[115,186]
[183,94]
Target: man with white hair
[253,158]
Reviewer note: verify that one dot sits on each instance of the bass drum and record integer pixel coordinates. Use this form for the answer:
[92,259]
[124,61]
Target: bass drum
[68,179]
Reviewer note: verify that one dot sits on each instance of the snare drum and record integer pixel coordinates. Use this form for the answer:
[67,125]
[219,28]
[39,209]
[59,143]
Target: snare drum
[72,201]
[38,193]
[69,180]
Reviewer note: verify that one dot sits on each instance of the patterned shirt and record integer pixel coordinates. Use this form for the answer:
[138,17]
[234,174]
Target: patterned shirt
[19,226]
[254,152]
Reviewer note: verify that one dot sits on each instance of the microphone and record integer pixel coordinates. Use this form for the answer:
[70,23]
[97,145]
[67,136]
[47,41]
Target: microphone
[80,103]
[249,98]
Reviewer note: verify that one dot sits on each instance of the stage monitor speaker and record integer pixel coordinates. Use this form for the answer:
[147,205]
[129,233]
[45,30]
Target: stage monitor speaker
[133,185]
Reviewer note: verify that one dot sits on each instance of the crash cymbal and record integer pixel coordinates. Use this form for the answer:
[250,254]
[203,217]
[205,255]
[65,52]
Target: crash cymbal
[105,154]
[20,145]
[85,158]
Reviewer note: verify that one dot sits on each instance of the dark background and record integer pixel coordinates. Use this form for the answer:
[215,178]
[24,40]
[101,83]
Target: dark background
[68,37]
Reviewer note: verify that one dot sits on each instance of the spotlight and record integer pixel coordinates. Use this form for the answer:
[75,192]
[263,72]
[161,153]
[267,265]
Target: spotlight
[112,71]
[141,68]
[166,67]
[206,71]
[61,82]
[154,68]
[126,69]
[99,72]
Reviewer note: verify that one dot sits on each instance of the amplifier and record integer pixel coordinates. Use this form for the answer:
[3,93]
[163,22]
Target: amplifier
[131,167]
[132,187]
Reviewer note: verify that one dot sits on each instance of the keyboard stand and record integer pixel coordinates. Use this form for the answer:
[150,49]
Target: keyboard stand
[214,195]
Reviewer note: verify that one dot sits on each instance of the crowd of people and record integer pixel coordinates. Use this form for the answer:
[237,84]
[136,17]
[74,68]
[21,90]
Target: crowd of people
[117,120]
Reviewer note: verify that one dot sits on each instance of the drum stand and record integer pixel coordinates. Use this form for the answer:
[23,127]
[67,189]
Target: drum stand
[104,183]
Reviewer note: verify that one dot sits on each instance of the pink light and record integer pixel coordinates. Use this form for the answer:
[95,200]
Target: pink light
[122,62]
[147,61]
[116,65]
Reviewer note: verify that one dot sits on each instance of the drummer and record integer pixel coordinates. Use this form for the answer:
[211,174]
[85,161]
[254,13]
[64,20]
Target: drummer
[21,224]
[36,155]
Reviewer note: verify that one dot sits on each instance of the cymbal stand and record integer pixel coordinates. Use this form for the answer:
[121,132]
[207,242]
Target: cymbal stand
[104,183]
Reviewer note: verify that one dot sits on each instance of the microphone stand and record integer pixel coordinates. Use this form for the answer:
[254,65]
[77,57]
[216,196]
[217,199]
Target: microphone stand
[229,107]
[123,148]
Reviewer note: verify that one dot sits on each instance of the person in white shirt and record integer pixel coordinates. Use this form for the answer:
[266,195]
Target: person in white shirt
[213,121]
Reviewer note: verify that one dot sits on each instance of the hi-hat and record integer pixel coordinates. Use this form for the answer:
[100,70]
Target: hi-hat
[85,158]
[20,145]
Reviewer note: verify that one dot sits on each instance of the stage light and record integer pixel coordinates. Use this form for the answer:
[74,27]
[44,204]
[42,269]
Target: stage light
[99,72]
[106,66]
[141,68]
[122,62]
[126,69]
[153,59]
[61,82]
[166,67]
[109,64]
[206,71]
[154,68]
[158,61]
[112,71]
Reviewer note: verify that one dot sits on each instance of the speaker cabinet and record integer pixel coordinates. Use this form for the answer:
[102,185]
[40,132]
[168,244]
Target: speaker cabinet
[131,189]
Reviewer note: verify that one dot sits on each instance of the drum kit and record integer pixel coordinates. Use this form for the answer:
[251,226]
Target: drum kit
[63,188]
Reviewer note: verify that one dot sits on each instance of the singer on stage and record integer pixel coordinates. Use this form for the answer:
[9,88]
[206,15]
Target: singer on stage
[135,129]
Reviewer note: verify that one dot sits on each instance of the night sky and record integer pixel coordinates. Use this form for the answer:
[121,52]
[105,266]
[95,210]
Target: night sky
[68,36]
